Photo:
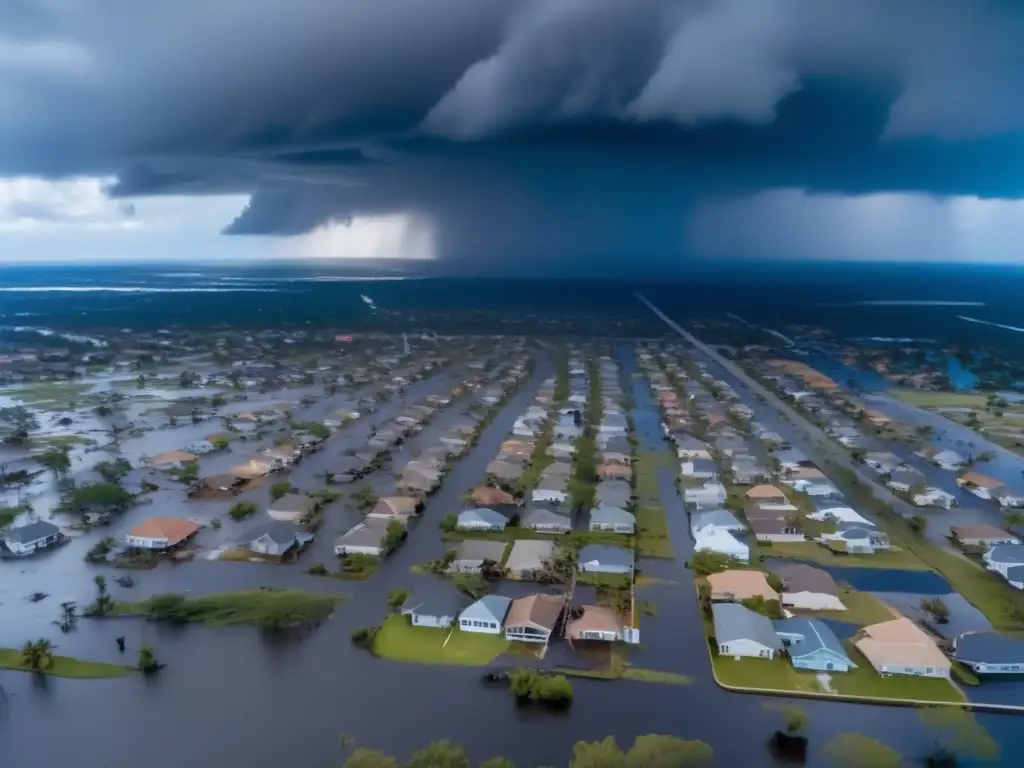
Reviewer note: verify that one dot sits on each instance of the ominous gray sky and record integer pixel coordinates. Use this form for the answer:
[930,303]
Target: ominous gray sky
[495,135]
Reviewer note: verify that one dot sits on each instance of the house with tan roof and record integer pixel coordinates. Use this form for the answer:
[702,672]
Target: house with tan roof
[808,588]
[161,533]
[982,535]
[395,506]
[982,486]
[489,496]
[171,459]
[766,494]
[532,619]
[738,585]
[595,622]
[900,647]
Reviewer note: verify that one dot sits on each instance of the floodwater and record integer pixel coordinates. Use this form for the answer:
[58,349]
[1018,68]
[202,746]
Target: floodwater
[238,696]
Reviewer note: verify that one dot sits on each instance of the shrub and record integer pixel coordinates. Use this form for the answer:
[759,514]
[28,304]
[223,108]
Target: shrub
[318,569]
[242,509]
[364,636]
[277,490]
[448,522]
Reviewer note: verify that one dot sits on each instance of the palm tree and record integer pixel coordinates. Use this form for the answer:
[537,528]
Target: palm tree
[37,656]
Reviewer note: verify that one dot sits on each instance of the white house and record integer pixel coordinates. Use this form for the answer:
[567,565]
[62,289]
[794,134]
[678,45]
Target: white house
[720,540]
[366,538]
[26,539]
[950,460]
[161,533]
[934,497]
[486,615]
[711,494]
[692,448]
[740,632]
[808,588]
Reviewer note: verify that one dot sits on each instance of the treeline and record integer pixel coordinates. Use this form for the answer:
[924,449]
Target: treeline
[647,752]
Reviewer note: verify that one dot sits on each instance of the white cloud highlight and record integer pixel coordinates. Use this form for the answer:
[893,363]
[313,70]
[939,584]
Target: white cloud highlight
[390,236]
[792,223]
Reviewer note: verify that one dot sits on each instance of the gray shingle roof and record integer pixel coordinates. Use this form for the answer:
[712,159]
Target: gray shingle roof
[736,622]
[1007,553]
[989,647]
[612,515]
[606,554]
[24,534]
[816,636]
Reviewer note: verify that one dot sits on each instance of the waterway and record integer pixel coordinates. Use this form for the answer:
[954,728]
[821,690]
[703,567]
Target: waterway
[242,697]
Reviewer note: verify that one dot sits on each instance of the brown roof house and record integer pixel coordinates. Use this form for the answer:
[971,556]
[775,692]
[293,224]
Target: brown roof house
[171,459]
[808,588]
[739,585]
[532,619]
[488,496]
[768,496]
[621,471]
[595,622]
[505,472]
[900,647]
[982,535]
[161,533]
[395,506]
[982,486]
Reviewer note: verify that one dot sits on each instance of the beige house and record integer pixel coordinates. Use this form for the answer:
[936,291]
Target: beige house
[171,459]
[598,622]
[395,506]
[900,647]
[740,585]
[766,493]
[982,535]
[808,588]
[532,619]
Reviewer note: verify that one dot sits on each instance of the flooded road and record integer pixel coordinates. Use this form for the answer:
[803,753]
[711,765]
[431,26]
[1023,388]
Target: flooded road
[238,696]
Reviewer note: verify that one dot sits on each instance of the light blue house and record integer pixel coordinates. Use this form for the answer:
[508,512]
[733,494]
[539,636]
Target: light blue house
[486,615]
[605,558]
[481,519]
[812,645]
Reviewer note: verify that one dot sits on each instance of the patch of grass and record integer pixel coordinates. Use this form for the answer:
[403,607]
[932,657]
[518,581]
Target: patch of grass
[65,666]
[897,559]
[655,676]
[356,567]
[612,580]
[398,640]
[861,609]
[263,607]
[646,472]
[42,393]
[939,399]
[652,529]
[62,441]
[779,675]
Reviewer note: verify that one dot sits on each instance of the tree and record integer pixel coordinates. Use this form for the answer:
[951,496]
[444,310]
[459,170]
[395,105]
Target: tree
[985,456]
[104,602]
[938,609]
[855,750]
[17,423]
[439,754]
[37,656]
[562,565]
[497,762]
[597,754]
[794,717]
[705,562]
[448,522]
[56,460]
[220,443]
[918,523]
[667,752]
[393,534]
[278,490]
[924,431]
[112,471]
[396,597]
[242,509]
[147,659]
[369,758]
[958,734]
[108,496]
[364,497]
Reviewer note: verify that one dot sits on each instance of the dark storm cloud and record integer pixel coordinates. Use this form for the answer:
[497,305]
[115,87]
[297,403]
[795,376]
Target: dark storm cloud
[570,126]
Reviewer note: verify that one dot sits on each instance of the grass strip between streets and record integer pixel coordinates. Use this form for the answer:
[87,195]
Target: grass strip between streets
[66,666]
[262,607]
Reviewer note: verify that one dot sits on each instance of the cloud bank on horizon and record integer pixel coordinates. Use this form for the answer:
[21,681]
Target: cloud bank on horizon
[489,134]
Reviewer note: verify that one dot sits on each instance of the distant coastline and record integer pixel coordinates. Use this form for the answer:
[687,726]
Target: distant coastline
[994,325]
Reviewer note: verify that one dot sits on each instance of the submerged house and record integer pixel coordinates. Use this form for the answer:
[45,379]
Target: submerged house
[989,653]
[532,619]
[32,537]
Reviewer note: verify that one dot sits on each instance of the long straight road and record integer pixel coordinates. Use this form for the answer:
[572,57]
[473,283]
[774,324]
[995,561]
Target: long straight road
[815,437]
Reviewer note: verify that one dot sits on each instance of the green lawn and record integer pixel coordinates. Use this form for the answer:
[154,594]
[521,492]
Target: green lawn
[1002,604]
[573,539]
[398,640]
[646,469]
[938,399]
[613,580]
[861,609]
[65,666]
[653,539]
[264,607]
[62,441]
[655,676]
[897,559]
[780,675]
